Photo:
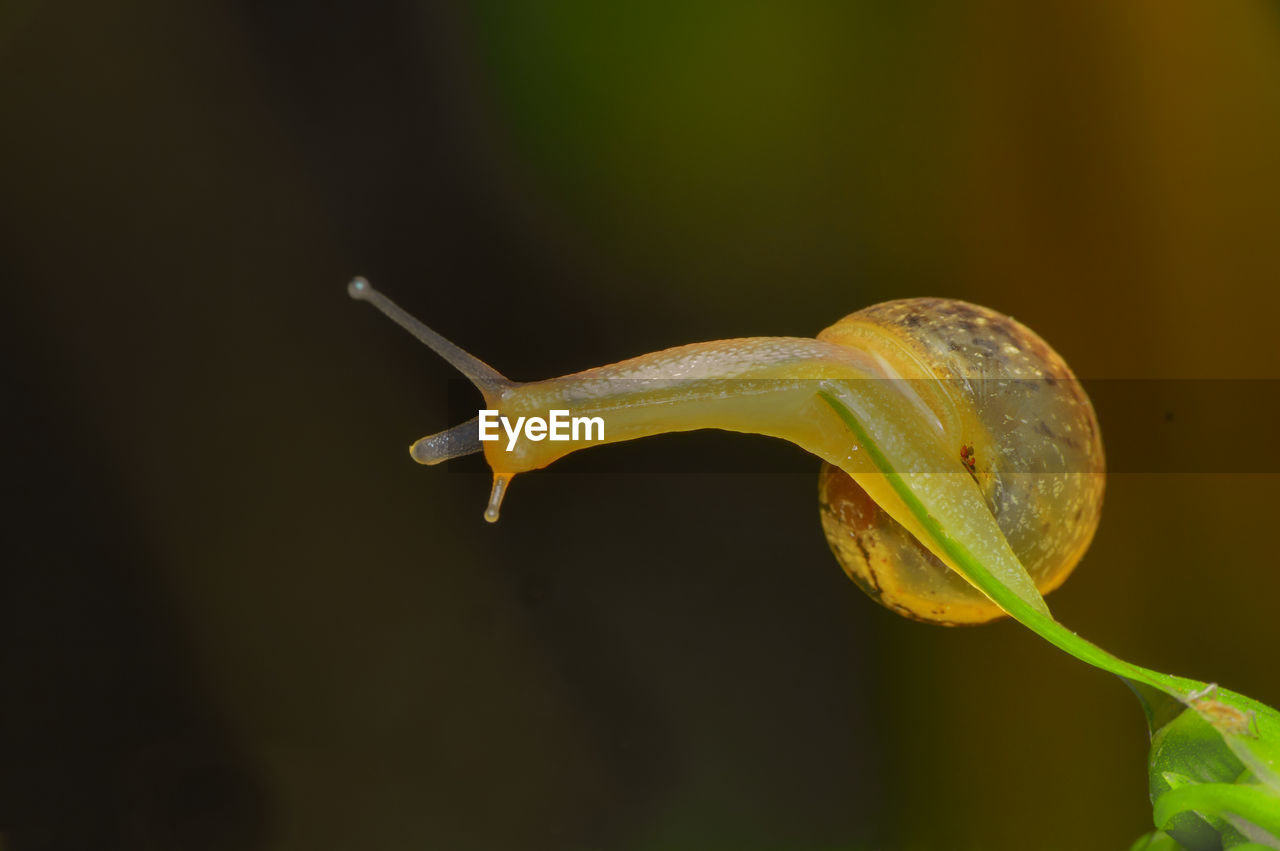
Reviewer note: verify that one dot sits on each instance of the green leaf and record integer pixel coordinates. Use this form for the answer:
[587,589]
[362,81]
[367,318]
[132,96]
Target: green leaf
[1215,758]
[1184,752]
[1255,805]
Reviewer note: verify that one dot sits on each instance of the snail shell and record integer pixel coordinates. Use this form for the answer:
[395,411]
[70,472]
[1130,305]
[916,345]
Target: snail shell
[1017,420]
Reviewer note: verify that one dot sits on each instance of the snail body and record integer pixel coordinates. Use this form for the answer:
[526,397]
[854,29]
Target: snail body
[973,413]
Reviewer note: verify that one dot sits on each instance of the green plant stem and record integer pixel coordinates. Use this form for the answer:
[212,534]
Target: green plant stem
[1252,803]
[1044,626]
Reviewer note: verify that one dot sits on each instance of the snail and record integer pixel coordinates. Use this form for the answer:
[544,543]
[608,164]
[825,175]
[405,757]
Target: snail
[955,407]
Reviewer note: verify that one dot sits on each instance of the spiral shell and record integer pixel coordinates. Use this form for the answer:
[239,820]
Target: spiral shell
[1014,417]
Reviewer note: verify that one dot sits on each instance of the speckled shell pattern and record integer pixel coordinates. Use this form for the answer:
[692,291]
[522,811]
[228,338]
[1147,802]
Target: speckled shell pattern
[1016,419]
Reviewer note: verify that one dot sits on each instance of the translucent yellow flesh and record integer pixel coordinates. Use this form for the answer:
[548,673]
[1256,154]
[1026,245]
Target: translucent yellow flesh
[770,386]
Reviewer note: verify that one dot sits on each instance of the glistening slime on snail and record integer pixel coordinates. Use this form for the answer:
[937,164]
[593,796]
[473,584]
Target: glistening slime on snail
[980,420]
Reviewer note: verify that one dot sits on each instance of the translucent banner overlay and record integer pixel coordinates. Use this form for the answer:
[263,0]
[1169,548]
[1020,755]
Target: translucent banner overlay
[1202,426]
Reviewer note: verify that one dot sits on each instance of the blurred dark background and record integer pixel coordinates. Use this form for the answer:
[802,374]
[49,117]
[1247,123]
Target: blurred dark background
[237,616]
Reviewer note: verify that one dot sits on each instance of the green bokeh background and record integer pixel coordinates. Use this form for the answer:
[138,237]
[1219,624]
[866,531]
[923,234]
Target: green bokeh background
[238,616]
